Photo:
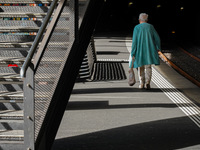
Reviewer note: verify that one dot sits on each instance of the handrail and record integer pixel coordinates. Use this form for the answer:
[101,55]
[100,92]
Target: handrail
[37,40]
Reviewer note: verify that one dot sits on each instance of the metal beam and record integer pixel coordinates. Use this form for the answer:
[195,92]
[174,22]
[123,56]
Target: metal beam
[29,115]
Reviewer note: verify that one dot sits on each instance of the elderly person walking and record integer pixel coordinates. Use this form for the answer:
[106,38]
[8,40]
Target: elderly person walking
[144,53]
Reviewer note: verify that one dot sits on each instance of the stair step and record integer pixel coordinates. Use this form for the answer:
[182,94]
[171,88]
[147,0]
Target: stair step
[11,87]
[31,1]
[24,29]
[3,29]
[11,59]
[15,44]
[10,79]
[11,145]
[7,52]
[9,70]
[11,101]
[27,1]
[11,114]
[19,23]
[9,76]
[16,64]
[10,82]
[11,135]
[16,77]
[11,94]
[27,14]
[21,49]
[11,97]
[11,124]
[18,96]
[22,14]
[11,106]
[29,44]
[36,9]
[19,60]
[15,38]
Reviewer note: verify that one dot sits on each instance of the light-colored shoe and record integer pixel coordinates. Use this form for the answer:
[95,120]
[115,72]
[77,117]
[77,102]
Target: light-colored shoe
[141,86]
[148,87]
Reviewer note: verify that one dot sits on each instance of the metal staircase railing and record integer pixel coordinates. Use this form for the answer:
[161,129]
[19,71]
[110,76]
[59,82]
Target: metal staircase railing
[28,70]
[49,71]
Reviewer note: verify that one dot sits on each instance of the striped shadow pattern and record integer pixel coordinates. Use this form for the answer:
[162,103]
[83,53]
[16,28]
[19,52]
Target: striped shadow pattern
[105,71]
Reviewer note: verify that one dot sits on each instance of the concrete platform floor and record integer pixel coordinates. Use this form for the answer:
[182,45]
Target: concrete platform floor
[111,115]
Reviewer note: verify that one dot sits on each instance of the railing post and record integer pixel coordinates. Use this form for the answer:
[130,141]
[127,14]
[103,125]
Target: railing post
[76,20]
[29,115]
[93,48]
[74,17]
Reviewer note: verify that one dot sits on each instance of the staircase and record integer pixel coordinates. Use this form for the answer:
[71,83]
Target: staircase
[19,24]
[17,33]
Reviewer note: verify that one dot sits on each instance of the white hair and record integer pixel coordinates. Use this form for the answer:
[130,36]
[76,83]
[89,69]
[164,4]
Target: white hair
[143,17]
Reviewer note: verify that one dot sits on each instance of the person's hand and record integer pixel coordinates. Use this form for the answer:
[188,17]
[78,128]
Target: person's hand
[131,69]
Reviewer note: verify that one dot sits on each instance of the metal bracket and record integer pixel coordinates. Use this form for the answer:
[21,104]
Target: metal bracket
[29,115]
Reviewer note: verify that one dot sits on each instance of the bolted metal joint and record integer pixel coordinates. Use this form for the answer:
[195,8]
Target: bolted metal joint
[28,85]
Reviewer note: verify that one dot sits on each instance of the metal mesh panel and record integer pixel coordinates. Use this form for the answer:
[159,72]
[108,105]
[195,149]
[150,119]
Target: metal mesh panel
[52,63]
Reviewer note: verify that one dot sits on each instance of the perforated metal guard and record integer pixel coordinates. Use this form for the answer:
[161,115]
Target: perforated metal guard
[52,64]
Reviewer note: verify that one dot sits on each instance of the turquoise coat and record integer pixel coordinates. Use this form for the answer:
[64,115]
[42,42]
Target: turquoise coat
[145,44]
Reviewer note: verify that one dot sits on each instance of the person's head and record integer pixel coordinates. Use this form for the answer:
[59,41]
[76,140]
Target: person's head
[143,17]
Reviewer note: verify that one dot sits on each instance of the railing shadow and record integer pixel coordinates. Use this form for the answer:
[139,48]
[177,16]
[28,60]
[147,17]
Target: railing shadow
[96,105]
[168,134]
[116,90]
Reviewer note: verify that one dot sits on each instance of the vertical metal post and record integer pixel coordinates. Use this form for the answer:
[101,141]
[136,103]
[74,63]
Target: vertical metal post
[76,20]
[29,115]
[72,34]
[93,48]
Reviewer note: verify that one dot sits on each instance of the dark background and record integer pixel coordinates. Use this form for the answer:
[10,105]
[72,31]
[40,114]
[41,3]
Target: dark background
[173,19]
